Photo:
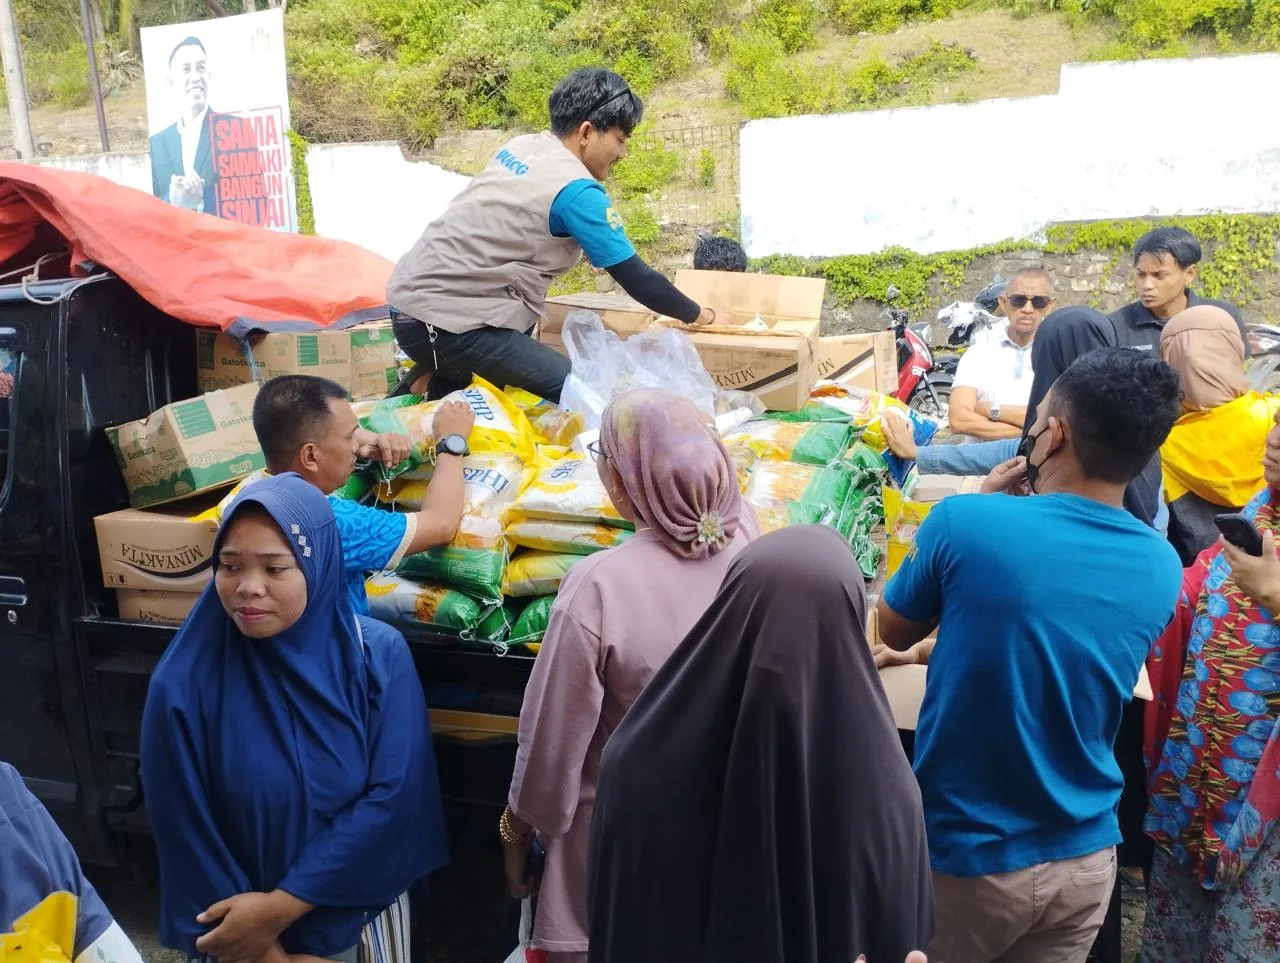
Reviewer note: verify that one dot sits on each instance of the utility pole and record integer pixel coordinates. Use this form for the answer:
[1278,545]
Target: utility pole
[95,84]
[15,83]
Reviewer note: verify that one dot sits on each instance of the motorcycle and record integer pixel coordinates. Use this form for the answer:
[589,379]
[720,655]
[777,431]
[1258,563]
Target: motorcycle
[1264,357]
[920,386]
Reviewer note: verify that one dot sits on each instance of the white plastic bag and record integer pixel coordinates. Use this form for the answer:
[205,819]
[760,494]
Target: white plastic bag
[526,932]
[604,365]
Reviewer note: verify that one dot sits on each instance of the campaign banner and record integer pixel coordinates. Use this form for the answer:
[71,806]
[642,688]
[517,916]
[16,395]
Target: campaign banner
[218,115]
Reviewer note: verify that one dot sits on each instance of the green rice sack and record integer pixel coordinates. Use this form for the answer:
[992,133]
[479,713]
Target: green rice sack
[812,411]
[474,562]
[531,624]
[399,601]
[774,484]
[804,443]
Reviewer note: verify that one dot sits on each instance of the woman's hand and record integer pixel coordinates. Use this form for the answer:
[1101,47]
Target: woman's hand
[515,861]
[248,924]
[886,656]
[1007,478]
[1257,576]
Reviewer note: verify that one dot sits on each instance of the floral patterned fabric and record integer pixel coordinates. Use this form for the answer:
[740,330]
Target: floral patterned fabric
[1213,732]
[1187,923]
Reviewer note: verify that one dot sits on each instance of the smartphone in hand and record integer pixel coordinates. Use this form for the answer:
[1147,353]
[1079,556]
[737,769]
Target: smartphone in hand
[1239,531]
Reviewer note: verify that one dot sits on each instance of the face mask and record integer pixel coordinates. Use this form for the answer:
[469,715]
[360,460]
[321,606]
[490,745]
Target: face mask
[1025,448]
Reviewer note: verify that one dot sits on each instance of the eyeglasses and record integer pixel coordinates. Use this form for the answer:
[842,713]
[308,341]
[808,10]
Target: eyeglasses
[1019,301]
[596,451]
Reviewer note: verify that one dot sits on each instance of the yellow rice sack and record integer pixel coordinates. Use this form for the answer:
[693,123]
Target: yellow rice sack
[568,490]
[902,518]
[553,425]
[501,427]
[537,573]
[815,443]
[776,484]
[567,538]
[492,483]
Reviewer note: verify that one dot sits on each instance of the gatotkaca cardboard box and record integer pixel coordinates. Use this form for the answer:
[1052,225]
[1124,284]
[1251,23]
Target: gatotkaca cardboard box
[188,447]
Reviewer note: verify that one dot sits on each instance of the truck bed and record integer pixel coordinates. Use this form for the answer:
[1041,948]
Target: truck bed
[474,698]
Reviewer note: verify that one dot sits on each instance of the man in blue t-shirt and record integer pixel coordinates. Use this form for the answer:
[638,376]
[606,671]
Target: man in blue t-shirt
[1046,607]
[306,425]
[48,910]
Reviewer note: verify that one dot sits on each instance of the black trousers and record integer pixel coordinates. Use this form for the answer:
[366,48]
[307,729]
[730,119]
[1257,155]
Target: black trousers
[502,357]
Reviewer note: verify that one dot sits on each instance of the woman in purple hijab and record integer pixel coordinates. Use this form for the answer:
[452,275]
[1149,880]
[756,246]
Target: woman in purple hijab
[618,616]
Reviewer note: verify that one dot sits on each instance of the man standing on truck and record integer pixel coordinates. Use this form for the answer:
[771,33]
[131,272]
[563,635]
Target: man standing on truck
[467,295]
[306,425]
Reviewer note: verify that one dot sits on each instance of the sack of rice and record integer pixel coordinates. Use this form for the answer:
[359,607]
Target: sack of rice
[473,562]
[806,443]
[492,482]
[537,573]
[812,411]
[868,466]
[405,415]
[774,484]
[552,424]
[500,427]
[399,601]
[568,490]
[531,624]
[569,538]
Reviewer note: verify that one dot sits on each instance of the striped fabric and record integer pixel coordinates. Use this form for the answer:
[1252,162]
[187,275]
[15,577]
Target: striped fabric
[385,940]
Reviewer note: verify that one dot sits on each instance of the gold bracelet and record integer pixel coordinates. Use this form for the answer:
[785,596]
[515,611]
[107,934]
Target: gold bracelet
[508,834]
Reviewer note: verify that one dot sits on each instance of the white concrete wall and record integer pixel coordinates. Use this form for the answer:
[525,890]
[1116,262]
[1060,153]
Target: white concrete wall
[1136,139]
[367,194]
[370,195]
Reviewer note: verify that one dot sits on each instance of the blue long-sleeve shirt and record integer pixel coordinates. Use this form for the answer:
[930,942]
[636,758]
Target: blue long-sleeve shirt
[979,458]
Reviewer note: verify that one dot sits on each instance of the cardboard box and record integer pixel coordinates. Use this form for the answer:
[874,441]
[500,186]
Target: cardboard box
[619,313]
[188,447]
[221,361]
[779,366]
[159,550]
[863,360]
[374,369]
[167,608]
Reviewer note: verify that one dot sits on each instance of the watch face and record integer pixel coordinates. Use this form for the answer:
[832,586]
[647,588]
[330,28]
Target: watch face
[453,445]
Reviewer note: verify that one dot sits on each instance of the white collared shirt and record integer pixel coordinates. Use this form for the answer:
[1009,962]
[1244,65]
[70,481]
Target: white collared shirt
[999,370]
[190,131]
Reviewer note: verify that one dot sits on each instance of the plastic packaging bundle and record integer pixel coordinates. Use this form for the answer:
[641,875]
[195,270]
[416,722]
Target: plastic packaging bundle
[805,443]
[569,538]
[567,490]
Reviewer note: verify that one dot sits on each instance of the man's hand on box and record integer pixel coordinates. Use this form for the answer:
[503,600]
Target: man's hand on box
[453,418]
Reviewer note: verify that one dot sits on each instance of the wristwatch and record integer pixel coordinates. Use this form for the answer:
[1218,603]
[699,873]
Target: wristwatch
[453,445]
[995,413]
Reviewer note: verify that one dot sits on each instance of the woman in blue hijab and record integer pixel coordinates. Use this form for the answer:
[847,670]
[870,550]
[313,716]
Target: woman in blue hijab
[287,763]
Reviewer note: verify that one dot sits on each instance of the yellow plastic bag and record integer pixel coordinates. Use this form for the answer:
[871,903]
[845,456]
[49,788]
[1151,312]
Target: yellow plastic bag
[493,481]
[214,514]
[567,490]
[568,538]
[537,573]
[864,408]
[553,425]
[902,518]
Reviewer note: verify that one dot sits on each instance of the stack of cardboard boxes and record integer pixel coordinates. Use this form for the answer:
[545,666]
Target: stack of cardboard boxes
[178,462]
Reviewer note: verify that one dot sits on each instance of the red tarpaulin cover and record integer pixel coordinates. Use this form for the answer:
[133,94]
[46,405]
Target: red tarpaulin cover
[196,267]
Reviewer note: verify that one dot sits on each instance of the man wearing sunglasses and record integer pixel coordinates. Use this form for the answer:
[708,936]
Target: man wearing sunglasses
[993,380]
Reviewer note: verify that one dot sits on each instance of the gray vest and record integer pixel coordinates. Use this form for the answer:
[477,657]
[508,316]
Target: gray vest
[490,257]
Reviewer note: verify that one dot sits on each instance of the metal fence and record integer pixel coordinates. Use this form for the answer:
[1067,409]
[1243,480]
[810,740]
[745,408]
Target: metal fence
[702,188]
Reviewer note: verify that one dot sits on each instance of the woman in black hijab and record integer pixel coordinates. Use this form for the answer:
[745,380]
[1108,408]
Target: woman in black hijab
[755,803]
[1064,336]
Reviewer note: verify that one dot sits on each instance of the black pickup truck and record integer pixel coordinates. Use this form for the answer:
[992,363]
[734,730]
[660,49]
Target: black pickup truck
[73,675]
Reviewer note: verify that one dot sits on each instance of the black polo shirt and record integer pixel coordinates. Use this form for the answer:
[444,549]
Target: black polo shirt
[1137,327]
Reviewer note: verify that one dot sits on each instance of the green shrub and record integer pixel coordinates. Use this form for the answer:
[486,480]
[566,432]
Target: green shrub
[59,77]
[707,168]
[884,16]
[647,167]
[793,22]
[641,225]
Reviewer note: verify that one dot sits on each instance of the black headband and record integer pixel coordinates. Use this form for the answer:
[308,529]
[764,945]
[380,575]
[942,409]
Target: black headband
[608,100]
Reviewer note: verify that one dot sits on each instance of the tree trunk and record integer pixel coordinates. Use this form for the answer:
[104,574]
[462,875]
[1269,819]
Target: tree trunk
[217,9]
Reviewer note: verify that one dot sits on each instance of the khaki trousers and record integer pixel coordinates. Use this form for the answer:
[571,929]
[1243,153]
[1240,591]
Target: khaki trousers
[1045,914]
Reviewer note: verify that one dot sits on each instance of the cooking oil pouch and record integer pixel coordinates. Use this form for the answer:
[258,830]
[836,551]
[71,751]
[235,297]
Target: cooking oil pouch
[567,538]
[902,518]
[537,573]
[806,443]
[474,562]
[531,624]
[400,601]
[552,424]
[568,490]
[868,466]
[812,411]
[774,484]
[404,415]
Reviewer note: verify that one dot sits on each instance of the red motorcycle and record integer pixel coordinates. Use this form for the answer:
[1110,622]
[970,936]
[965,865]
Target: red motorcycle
[921,385]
